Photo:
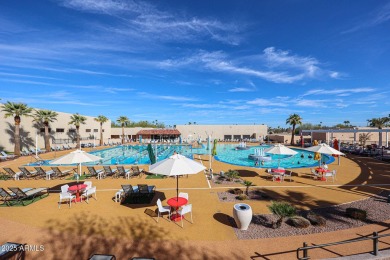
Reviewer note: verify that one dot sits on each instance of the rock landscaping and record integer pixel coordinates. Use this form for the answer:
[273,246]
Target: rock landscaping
[376,209]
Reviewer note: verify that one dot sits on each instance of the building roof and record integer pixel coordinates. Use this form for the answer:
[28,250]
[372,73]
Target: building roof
[159,132]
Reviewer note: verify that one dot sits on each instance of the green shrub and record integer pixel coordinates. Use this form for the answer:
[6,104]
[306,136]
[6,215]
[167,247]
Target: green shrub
[217,182]
[224,198]
[242,197]
[237,191]
[282,210]
[299,222]
[356,213]
[315,219]
[231,175]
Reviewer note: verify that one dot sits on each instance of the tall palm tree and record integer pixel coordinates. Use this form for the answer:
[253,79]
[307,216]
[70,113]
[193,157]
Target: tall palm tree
[293,120]
[380,123]
[346,123]
[77,120]
[101,119]
[17,110]
[124,121]
[45,117]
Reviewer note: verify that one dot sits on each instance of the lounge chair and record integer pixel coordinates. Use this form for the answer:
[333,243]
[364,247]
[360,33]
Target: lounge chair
[20,195]
[7,156]
[109,172]
[26,152]
[7,197]
[43,173]
[130,193]
[288,174]
[123,172]
[60,174]
[95,173]
[27,173]
[146,191]
[15,175]
[136,171]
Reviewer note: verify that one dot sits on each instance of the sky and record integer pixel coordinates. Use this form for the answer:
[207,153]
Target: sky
[209,62]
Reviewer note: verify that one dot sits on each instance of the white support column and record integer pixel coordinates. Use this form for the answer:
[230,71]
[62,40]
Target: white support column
[387,139]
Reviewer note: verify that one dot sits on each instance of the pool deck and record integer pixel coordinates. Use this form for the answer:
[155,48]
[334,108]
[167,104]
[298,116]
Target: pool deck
[104,226]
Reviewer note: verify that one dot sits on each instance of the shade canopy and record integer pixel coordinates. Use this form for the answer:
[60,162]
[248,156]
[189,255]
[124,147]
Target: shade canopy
[280,149]
[176,165]
[77,156]
[324,149]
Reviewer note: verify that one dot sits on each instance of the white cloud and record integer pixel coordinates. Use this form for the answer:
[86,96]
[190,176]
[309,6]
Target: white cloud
[240,90]
[165,97]
[267,102]
[273,65]
[143,18]
[374,18]
[338,92]
[117,90]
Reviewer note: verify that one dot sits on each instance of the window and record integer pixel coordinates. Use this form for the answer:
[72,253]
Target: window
[60,130]
[114,136]
[88,130]
[42,130]
[237,136]
[96,130]
[227,137]
[72,130]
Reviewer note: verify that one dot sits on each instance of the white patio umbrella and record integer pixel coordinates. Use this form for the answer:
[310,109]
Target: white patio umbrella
[280,149]
[77,156]
[324,149]
[176,165]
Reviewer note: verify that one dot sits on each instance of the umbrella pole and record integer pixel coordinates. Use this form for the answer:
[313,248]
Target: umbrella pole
[177,187]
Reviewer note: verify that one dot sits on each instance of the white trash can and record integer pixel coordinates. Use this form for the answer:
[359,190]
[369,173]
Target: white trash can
[242,214]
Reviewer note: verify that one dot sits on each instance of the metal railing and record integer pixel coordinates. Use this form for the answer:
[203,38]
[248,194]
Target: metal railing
[375,249]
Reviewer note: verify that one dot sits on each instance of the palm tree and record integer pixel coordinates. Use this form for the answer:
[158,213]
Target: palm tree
[380,123]
[16,110]
[77,120]
[45,117]
[124,121]
[346,123]
[293,120]
[101,119]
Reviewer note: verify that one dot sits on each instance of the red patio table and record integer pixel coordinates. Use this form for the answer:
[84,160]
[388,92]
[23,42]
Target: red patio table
[176,202]
[77,188]
[278,170]
[322,171]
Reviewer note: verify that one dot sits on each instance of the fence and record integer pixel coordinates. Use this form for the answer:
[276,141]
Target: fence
[375,250]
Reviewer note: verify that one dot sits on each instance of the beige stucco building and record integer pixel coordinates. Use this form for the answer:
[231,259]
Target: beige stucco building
[61,133]
[196,132]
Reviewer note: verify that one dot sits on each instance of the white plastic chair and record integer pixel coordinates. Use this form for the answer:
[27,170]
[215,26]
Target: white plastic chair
[89,191]
[65,195]
[162,209]
[183,195]
[287,174]
[330,174]
[316,175]
[184,210]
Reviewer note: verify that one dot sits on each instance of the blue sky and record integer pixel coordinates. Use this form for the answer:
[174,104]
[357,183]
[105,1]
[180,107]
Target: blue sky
[209,62]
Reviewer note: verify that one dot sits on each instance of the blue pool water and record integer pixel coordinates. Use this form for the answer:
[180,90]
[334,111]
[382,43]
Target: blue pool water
[137,154]
[229,154]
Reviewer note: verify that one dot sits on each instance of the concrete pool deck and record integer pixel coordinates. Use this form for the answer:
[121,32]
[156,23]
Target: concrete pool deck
[104,226]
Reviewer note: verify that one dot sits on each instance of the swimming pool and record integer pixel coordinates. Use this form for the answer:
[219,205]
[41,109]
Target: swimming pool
[227,153]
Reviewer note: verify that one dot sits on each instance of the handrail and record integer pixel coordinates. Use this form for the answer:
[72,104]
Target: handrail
[375,239]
